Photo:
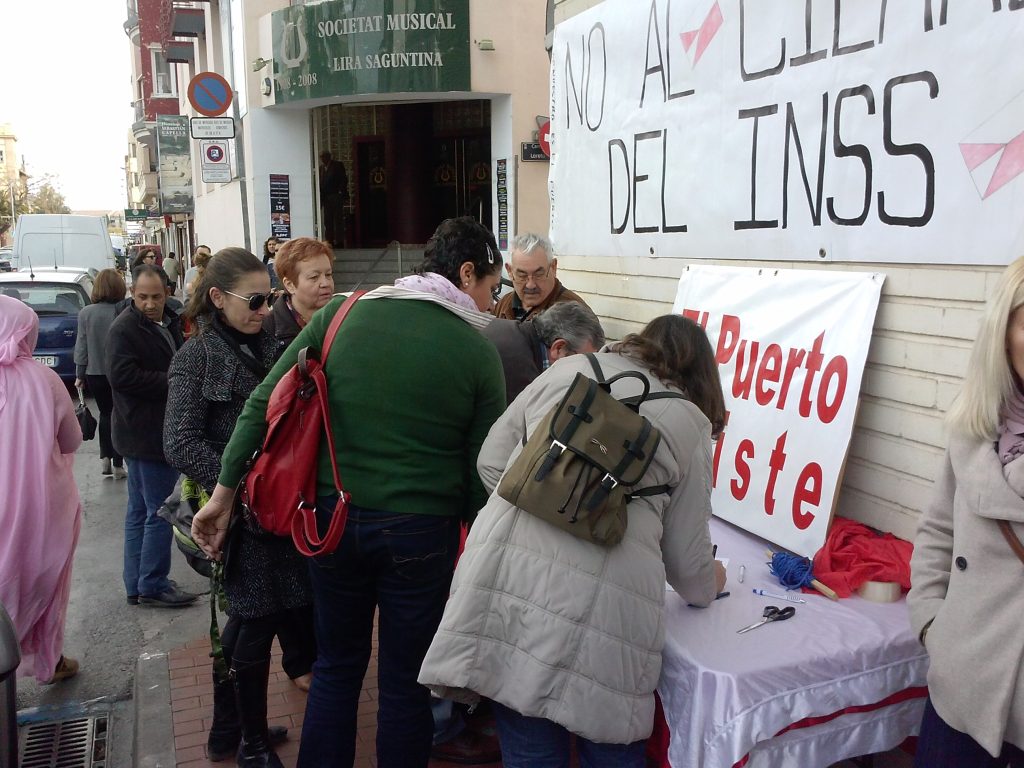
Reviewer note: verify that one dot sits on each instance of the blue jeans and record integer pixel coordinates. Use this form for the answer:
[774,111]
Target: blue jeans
[147,538]
[941,746]
[402,565]
[533,742]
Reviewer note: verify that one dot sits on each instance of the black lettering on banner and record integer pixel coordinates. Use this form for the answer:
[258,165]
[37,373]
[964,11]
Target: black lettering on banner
[652,23]
[920,151]
[792,133]
[617,229]
[743,67]
[852,150]
[604,73]
[571,87]
[665,226]
[753,222]
[580,97]
[668,58]
[808,56]
[928,23]
[842,50]
[881,20]
[637,179]
[1015,5]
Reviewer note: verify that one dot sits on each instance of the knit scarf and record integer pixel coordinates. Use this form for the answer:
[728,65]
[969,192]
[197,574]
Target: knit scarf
[1011,427]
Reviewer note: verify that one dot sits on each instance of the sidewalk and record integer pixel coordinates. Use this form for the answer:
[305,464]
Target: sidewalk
[192,708]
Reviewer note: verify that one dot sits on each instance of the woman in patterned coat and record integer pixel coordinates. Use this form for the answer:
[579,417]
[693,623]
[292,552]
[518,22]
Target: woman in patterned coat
[266,582]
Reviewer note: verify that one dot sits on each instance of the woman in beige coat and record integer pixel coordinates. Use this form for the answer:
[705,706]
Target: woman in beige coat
[966,601]
[564,635]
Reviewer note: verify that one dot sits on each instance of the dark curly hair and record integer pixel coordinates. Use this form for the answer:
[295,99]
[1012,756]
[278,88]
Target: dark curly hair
[678,352]
[456,241]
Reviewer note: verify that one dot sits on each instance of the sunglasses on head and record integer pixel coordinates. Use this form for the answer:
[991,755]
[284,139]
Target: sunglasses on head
[255,301]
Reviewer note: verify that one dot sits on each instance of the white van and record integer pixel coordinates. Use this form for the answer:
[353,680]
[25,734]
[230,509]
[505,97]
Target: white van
[46,240]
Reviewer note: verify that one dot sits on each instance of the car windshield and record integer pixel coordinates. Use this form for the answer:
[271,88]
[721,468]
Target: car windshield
[46,298]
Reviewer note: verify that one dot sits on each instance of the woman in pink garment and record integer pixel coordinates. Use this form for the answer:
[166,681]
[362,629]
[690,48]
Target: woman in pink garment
[40,513]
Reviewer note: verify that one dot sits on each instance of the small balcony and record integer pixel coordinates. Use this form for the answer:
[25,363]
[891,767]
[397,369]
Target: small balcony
[131,26]
[187,20]
[180,52]
[142,129]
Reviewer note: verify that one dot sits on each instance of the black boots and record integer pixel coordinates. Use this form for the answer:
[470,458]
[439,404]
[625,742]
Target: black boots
[251,693]
[226,731]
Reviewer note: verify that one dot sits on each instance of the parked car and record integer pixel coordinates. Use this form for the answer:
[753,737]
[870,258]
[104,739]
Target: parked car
[6,259]
[57,296]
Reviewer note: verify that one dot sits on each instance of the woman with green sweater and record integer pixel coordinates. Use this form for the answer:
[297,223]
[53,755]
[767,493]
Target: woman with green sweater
[413,389]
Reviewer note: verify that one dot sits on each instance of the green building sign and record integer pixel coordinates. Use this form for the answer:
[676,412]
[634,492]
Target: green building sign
[349,47]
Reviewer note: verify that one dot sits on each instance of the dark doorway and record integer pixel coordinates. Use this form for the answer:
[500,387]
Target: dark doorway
[462,177]
[371,193]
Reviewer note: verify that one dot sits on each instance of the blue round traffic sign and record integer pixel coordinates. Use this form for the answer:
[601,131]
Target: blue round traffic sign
[209,94]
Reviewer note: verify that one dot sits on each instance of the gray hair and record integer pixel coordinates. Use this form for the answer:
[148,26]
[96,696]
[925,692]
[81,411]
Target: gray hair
[526,242]
[572,321]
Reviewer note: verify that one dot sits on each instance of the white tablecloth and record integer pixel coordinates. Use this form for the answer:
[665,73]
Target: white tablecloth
[726,695]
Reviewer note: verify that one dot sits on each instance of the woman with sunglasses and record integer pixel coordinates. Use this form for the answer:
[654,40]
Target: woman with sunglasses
[266,583]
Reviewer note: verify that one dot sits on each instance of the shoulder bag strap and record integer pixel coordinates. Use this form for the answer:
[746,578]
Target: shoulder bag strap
[1011,538]
[336,321]
[596,366]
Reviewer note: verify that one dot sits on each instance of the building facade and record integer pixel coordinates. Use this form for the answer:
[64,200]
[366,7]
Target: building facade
[423,108]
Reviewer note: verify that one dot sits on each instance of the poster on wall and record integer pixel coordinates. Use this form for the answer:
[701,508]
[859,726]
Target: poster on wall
[280,206]
[175,159]
[502,191]
[866,131]
[790,346]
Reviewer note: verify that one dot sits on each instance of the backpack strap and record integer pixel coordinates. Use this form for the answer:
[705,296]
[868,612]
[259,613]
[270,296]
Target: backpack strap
[596,366]
[654,490]
[336,321]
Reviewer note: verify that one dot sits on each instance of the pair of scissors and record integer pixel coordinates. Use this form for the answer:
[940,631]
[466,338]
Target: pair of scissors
[771,613]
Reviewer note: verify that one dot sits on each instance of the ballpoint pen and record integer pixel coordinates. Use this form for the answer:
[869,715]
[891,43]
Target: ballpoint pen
[778,597]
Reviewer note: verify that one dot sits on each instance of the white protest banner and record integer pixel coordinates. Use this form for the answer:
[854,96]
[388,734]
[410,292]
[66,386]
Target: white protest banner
[790,346]
[865,131]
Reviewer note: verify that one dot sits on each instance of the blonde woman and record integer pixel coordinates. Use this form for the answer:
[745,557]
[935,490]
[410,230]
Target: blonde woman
[968,561]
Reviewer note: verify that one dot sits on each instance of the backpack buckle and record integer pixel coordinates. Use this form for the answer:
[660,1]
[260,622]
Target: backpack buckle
[556,450]
[608,482]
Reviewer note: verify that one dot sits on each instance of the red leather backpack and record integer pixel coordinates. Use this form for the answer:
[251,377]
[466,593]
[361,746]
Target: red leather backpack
[279,489]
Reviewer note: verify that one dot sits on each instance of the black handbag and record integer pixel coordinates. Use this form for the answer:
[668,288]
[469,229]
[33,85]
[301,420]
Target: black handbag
[85,418]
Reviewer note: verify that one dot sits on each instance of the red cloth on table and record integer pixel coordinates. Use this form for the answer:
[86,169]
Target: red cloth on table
[854,554]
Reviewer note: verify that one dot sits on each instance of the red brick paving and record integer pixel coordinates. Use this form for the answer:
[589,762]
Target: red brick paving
[192,709]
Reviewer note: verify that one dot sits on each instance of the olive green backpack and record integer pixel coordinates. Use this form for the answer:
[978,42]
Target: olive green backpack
[578,468]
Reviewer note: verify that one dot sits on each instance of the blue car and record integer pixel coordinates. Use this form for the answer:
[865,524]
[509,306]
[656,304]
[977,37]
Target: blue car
[57,296]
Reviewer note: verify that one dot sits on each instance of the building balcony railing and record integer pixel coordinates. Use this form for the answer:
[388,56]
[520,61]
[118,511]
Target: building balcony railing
[187,20]
[131,24]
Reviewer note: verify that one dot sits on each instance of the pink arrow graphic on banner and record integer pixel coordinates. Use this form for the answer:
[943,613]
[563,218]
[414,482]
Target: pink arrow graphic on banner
[1009,166]
[704,35]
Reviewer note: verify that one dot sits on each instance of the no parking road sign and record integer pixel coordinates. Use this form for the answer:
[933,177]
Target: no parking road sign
[209,94]
[213,159]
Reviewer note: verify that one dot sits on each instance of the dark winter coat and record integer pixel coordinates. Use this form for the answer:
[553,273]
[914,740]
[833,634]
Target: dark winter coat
[521,352]
[281,325]
[209,383]
[138,356]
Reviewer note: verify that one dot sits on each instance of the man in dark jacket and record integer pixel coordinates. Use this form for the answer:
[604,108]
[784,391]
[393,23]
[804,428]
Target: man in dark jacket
[527,348]
[141,342]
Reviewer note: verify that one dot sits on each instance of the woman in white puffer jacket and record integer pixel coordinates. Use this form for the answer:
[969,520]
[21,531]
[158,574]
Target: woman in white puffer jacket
[564,635]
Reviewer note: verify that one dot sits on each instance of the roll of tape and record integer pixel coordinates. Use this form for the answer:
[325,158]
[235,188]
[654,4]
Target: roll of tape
[880,591]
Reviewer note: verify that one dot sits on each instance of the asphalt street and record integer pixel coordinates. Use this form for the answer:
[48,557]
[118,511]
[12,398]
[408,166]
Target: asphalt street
[103,632]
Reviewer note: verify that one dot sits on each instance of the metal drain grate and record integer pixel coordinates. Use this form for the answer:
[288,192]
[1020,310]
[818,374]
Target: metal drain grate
[77,743]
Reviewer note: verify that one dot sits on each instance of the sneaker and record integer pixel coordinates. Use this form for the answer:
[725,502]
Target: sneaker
[120,473]
[133,599]
[107,468]
[172,597]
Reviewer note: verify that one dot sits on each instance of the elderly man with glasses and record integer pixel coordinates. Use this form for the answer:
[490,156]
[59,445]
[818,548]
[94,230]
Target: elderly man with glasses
[533,270]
